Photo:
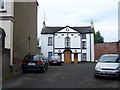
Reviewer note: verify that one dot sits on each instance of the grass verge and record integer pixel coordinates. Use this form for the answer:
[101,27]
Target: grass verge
[8,76]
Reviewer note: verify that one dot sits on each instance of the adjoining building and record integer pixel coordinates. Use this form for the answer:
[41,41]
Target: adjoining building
[19,22]
[72,44]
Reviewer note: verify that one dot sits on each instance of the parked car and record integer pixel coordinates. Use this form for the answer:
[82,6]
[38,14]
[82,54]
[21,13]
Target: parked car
[34,63]
[55,60]
[108,66]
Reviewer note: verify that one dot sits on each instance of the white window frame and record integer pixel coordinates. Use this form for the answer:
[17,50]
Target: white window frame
[67,42]
[84,45]
[4,9]
[83,36]
[84,56]
[50,41]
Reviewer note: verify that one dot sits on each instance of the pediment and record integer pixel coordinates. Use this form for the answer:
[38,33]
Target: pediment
[67,29]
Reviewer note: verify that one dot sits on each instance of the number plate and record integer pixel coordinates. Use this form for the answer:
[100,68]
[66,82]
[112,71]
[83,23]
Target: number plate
[31,63]
[54,62]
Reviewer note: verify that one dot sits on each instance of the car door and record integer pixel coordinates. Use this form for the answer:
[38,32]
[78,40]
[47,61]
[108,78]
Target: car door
[118,63]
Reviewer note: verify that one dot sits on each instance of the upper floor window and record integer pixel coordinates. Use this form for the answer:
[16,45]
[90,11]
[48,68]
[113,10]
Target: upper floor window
[83,36]
[72,34]
[62,34]
[84,46]
[2,5]
[50,41]
[67,42]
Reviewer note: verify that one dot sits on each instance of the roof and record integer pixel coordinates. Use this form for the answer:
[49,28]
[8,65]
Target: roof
[52,30]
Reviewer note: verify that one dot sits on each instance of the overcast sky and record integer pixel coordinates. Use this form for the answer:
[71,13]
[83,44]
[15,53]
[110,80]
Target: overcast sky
[104,14]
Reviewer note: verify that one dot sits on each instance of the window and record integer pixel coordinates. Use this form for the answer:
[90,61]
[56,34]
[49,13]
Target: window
[2,5]
[84,46]
[59,36]
[49,54]
[83,36]
[84,57]
[67,42]
[75,37]
[49,41]
[72,34]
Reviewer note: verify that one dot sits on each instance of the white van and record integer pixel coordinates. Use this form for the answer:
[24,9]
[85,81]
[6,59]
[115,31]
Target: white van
[108,65]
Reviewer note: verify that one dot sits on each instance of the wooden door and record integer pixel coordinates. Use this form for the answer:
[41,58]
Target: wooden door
[76,58]
[67,56]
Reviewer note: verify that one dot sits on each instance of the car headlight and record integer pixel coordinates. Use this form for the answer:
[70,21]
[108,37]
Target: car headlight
[118,69]
[98,68]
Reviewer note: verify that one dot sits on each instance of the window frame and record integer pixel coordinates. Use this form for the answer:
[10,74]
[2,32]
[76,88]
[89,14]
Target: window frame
[50,41]
[83,36]
[85,57]
[84,45]
[4,4]
[67,42]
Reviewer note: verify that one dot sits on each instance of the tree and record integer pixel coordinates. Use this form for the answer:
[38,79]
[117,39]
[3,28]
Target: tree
[98,38]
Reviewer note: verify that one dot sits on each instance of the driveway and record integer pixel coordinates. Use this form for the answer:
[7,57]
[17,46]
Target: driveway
[66,76]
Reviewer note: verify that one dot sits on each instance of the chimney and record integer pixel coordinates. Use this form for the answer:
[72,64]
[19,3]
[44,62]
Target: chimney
[92,24]
[44,25]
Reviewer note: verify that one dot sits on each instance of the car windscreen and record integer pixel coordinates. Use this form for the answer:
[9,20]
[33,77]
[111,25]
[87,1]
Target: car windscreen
[109,59]
[28,58]
[37,58]
[55,57]
[33,58]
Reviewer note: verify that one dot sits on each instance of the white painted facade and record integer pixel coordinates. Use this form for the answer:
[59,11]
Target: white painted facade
[44,44]
[58,46]
[6,23]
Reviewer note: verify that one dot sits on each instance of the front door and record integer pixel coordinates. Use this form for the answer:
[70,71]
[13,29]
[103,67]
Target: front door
[67,56]
[49,54]
[76,58]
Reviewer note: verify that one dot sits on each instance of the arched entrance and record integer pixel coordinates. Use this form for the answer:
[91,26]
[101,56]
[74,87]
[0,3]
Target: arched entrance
[2,37]
[67,56]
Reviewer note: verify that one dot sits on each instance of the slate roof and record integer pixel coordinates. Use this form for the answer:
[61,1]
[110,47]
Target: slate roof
[52,30]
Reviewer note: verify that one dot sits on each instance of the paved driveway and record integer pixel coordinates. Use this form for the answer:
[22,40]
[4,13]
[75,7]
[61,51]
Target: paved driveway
[66,76]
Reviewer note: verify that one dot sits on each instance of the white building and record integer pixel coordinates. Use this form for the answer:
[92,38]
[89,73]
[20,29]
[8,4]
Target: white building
[119,21]
[18,19]
[73,44]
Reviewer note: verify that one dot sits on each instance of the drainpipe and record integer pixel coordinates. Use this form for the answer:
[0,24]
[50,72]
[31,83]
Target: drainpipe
[81,46]
[53,44]
[29,45]
[90,47]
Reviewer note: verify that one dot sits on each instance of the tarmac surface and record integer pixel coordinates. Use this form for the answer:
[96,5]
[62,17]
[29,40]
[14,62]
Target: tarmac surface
[66,76]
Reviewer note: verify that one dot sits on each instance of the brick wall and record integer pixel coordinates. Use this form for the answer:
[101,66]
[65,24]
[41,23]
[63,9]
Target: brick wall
[119,47]
[106,48]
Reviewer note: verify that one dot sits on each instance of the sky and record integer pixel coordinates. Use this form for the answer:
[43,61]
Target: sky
[104,14]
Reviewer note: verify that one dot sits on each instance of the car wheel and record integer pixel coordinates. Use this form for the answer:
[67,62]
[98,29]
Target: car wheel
[60,64]
[96,76]
[43,70]
[24,72]
[46,67]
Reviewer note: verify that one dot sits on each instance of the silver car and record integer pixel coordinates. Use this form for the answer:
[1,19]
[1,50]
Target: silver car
[108,65]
